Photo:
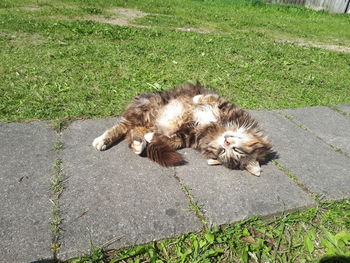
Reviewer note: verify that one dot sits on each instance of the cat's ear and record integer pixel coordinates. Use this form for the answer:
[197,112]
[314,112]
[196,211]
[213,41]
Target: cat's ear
[254,168]
[213,162]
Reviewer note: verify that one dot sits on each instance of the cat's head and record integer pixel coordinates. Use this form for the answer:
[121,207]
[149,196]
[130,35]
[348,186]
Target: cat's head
[236,145]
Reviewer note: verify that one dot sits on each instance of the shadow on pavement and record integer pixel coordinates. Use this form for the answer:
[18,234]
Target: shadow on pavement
[46,261]
[271,156]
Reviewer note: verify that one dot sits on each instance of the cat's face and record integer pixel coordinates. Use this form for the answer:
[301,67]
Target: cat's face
[236,147]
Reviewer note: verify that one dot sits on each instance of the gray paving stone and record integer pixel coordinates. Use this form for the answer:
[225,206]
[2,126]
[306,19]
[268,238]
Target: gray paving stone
[27,159]
[329,125]
[116,195]
[231,195]
[316,165]
[345,107]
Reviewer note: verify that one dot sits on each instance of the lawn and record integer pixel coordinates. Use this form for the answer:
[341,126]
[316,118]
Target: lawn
[73,59]
[58,61]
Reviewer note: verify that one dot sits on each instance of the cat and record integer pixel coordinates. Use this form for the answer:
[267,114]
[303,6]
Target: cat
[193,116]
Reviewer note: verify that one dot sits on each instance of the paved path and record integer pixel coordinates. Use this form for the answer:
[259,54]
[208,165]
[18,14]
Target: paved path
[118,199]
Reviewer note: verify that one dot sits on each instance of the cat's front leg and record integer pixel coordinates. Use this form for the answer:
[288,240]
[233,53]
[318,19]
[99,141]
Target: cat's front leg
[111,135]
[213,162]
[138,138]
[211,155]
[99,143]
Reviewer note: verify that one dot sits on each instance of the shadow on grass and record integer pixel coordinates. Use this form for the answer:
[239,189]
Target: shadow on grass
[335,259]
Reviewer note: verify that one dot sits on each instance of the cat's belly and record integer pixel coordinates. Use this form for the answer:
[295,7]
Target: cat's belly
[204,114]
[171,117]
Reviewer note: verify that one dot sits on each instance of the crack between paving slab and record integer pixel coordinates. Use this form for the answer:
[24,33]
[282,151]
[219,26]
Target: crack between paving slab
[194,206]
[291,119]
[56,191]
[294,178]
[335,108]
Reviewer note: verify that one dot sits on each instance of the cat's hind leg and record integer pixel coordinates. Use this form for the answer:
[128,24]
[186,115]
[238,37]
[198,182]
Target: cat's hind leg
[208,99]
[110,136]
[136,139]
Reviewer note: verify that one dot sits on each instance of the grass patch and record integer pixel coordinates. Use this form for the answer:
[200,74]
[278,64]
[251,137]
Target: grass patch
[339,110]
[58,63]
[318,234]
[195,207]
[60,124]
[291,118]
[56,191]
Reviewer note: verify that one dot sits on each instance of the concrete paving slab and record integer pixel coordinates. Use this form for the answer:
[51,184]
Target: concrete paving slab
[316,165]
[116,194]
[329,125]
[345,108]
[26,161]
[231,195]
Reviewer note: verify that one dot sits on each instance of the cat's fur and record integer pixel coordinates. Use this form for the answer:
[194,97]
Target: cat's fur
[190,116]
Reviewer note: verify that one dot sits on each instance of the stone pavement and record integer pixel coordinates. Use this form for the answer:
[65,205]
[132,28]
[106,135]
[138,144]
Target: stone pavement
[116,199]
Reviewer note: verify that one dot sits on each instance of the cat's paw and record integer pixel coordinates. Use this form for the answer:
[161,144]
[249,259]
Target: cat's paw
[138,146]
[197,98]
[149,136]
[213,162]
[99,143]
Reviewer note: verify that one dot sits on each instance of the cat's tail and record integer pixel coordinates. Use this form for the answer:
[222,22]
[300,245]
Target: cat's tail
[161,151]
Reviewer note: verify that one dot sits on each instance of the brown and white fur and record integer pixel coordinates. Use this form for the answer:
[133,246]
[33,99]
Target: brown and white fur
[190,116]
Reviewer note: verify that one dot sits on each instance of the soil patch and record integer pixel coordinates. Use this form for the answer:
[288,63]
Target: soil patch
[20,39]
[317,45]
[30,8]
[201,30]
[123,18]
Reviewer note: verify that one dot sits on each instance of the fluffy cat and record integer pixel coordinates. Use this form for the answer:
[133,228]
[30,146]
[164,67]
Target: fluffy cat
[192,116]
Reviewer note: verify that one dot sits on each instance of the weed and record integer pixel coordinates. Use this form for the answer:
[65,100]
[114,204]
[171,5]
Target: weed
[317,233]
[195,207]
[56,191]
[58,146]
[294,178]
[339,110]
[60,125]
[96,256]
[289,117]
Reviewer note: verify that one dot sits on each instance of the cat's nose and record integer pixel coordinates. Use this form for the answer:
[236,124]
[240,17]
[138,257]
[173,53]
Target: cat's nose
[226,143]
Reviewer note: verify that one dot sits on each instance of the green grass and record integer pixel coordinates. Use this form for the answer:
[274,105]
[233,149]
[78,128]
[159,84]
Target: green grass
[57,63]
[318,234]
